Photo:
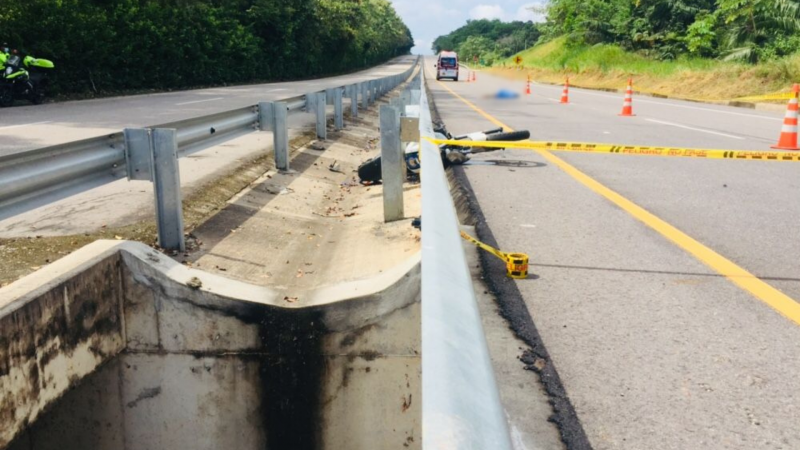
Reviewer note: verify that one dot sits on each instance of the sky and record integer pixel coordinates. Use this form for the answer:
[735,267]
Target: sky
[429,19]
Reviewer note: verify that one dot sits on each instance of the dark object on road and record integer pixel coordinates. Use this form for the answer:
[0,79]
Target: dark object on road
[417,223]
[370,170]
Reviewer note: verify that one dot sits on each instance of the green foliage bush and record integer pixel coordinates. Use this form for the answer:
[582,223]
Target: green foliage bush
[749,30]
[112,45]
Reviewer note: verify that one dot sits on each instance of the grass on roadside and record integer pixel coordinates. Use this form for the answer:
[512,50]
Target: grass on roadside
[609,66]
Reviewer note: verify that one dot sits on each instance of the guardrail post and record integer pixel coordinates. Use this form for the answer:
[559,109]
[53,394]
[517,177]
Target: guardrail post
[265,119]
[311,102]
[280,135]
[322,131]
[393,167]
[338,109]
[167,188]
[364,94]
[353,94]
[373,91]
[329,95]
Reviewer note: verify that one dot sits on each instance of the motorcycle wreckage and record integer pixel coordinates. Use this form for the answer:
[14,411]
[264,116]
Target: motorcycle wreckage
[370,171]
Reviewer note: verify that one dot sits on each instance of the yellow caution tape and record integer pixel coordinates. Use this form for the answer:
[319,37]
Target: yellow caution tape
[756,155]
[775,96]
[516,263]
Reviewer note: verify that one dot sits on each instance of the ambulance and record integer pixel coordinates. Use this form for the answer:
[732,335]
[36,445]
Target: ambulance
[447,66]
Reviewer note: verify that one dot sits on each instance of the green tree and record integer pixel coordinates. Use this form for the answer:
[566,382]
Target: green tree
[751,26]
[511,37]
[111,45]
[475,46]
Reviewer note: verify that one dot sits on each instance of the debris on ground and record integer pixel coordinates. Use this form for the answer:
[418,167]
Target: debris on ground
[194,283]
[334,167]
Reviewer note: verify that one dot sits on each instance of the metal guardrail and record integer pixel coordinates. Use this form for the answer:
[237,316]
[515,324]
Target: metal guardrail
[461,406]
[33,174]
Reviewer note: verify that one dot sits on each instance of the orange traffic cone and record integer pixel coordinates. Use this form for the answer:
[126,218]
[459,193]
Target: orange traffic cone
[627,105]
[473,76]
[468,77]
[788,139]
[528,86]
[565,92]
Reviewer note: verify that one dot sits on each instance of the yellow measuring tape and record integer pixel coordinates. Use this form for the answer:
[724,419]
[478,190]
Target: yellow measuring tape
[756,155]
[516,263]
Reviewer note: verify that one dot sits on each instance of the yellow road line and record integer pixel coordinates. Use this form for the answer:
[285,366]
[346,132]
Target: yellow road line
[776,299]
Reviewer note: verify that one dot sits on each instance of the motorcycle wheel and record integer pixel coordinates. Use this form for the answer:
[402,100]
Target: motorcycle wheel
[36,96]
[6,96]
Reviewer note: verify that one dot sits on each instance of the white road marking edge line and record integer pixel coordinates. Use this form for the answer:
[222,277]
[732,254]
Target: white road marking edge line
[199,101]
[695,129]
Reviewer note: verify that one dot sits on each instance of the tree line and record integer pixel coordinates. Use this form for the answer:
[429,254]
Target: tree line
[112,45]
[490,40]
[747,30]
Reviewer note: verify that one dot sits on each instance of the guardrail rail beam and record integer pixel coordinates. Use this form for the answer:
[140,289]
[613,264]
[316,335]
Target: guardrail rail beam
[40,176]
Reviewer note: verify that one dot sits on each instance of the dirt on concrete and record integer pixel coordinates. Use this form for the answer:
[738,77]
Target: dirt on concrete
[315,225]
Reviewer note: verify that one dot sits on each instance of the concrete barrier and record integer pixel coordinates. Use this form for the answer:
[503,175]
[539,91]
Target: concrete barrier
[119,347]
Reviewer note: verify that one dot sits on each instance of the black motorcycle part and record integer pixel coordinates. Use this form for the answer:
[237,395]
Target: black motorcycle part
[509,136]
[6,96]
[370,171]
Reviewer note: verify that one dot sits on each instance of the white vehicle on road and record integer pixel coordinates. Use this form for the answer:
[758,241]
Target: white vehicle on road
[447,66]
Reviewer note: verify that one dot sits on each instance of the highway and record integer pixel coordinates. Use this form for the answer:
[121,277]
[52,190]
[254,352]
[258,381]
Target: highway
[123,202]
[664,288]
[26,127]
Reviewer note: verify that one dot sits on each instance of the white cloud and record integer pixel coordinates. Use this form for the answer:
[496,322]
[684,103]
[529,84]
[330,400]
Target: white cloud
[524,13]
[487,12]
[428,19]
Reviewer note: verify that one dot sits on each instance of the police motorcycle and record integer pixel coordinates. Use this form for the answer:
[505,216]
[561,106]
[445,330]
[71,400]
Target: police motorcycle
[22,78]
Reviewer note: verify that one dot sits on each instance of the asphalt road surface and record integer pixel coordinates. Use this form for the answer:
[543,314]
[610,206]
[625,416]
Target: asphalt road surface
[26,127]
[665,287]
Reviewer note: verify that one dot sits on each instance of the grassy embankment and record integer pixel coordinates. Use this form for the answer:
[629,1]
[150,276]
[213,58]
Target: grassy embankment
[609,66]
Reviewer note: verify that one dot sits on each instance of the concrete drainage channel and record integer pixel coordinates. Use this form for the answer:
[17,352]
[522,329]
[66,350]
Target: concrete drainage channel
[111,348]
[118,346]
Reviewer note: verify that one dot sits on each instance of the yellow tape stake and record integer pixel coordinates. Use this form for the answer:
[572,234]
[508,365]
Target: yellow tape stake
[755,155]
[516,263]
